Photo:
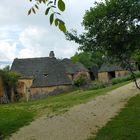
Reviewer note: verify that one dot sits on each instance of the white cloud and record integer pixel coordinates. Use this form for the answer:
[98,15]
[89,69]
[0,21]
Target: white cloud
[32,36]
[7,51]
[37,42]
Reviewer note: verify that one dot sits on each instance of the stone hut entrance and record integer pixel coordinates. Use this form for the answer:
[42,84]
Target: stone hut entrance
[111,75]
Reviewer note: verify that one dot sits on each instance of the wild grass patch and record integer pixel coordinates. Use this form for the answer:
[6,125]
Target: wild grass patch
[125,126]
[16,115]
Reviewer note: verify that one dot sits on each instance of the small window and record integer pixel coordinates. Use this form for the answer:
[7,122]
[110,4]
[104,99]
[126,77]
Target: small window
[45,74]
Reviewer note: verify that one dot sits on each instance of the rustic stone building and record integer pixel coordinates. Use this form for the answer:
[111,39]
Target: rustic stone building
[44,76]
[110,71]
[74,69]
[40,75]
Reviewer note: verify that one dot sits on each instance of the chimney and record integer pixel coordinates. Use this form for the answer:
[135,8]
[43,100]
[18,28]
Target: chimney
[51,55]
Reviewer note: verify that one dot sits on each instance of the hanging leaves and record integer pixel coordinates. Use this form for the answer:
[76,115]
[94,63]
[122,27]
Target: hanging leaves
[62,27]
[52,7]
[61,5]
[51,18]
[47,11]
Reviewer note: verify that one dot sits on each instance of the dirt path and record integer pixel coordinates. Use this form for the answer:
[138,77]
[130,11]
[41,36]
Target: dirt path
[80,121]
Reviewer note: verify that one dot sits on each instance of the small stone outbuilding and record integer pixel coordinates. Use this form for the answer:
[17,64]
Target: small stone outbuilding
[74,69]
[110,71]
[45,76]
[40,76]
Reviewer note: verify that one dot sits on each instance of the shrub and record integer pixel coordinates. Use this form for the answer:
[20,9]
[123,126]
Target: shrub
[123,79]
[81,80]
[98,85]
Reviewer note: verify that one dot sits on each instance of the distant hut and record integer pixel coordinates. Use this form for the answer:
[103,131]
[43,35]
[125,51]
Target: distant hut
[110,71]
[74,69]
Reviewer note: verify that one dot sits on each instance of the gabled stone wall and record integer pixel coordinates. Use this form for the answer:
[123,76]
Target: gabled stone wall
[104,76]
[24,85]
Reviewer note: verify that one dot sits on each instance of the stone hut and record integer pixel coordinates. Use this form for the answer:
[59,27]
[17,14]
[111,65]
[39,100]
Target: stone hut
[46,75]
[74,69]
[40,75]
[110,71]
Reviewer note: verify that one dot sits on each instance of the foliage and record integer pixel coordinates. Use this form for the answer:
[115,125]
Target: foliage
[123,79]
[125,126]
[15,115]
[81,80]
[10,80]
[112,27]
[54,7]
[84,58]
[11,119]
[136,56]
[98,85]
[88,59]
[6,68]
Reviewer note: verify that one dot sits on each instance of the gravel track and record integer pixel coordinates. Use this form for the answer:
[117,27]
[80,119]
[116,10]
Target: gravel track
[80,121]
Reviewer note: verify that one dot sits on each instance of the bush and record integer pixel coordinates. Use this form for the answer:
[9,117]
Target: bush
[81,80]
[123,79]
[98,85]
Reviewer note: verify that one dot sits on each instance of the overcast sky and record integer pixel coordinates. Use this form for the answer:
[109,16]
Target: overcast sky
[23,36]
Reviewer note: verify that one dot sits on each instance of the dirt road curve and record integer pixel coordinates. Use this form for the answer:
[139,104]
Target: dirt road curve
[80,121]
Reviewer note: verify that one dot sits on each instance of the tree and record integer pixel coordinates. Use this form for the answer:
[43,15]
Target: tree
[112,27]
[88,59]
[136,56]
[10,80]
[54,7]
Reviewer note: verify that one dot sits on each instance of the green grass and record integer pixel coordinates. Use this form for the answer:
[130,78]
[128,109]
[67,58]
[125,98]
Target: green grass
[13,116]
[125,126]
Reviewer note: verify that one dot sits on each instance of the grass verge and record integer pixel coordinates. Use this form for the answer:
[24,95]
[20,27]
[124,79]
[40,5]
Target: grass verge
[16,115]
[125,126]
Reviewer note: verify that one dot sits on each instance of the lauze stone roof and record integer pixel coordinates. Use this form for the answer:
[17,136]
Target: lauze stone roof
[110,67]
[72,68]
[44,71]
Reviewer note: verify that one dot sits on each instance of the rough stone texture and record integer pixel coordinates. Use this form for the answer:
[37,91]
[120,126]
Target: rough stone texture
[43,95]
[80,121]
[103,76]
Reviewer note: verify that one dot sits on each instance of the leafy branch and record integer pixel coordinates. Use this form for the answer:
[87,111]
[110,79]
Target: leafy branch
[54,8]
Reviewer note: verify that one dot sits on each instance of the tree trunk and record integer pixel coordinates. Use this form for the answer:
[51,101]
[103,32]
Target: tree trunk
[132,74]
[12,94]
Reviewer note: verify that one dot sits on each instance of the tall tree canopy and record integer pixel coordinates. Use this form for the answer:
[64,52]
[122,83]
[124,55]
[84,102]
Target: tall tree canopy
[112,27]
[88,59]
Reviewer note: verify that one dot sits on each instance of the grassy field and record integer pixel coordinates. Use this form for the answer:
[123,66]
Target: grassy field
[125,126]
[13,116]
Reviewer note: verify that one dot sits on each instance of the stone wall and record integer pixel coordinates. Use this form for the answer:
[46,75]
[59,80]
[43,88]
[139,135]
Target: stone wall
[24,85]
[121,73]
[103,76]
[49,89]
[42,92]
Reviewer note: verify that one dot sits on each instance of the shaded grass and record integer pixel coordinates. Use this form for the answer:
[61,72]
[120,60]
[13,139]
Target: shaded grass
[125,126]
[13,116]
